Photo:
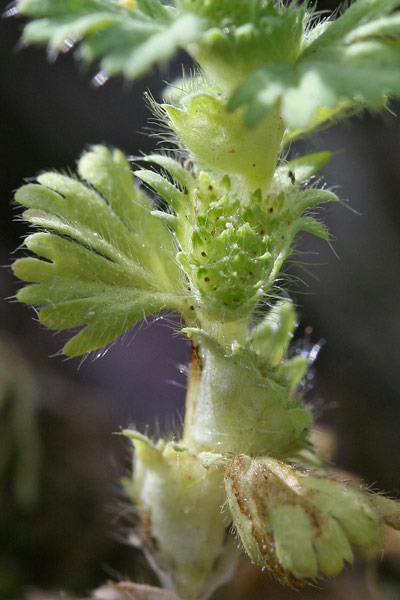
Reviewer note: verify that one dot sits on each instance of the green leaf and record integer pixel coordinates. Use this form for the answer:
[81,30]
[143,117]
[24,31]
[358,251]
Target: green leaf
[173,167]
[272,336]
[364,73]
[351,63]
[360,13]
[106,262]
[128,36]
[262,89]
[163,187]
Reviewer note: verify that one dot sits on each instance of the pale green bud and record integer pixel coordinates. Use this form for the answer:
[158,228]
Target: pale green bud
[300,525]
[179,498]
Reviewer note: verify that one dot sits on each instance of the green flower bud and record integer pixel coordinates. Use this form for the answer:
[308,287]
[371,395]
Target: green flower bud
[179,498]
[228,258]
[232,242]
[299,525]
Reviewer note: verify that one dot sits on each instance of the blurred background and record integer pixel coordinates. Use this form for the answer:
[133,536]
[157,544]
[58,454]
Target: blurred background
[62,514]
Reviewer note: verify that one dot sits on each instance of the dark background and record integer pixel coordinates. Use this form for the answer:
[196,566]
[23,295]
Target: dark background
[62,530]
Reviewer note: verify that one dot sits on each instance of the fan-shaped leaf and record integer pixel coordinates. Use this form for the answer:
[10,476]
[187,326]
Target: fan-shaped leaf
[128,36]
[106,261]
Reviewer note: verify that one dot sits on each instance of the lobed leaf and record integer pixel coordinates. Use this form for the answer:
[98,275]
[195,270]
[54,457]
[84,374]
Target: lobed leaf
[352,62]
[106,262]
[128,36]
[356,16]
[163,187]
